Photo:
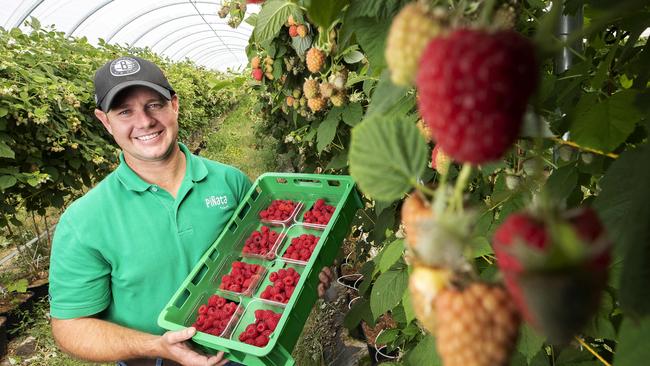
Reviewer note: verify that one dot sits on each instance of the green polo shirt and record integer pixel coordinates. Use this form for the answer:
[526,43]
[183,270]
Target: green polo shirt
[124,248]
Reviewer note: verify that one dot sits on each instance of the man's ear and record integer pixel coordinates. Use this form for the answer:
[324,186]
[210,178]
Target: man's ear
[104,119]
[174,102]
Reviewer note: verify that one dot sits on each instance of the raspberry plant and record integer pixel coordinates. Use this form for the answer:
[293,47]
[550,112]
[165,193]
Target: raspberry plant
[583,142]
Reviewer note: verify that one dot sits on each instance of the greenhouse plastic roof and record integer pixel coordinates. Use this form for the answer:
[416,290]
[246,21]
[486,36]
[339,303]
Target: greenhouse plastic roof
[177,29]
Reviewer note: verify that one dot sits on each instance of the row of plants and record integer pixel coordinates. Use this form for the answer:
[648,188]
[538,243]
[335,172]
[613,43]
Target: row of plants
[50,142]
[370,88]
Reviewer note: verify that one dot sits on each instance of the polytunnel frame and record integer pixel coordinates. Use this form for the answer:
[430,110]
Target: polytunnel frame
[93,11]
[152,9]
[213,62]
[196,44]
[190,26]
[196,40]
[197,57]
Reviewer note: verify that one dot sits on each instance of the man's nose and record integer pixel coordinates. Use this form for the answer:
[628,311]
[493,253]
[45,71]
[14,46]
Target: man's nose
[144,119]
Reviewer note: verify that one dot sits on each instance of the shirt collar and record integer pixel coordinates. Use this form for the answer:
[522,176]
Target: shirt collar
[195,169]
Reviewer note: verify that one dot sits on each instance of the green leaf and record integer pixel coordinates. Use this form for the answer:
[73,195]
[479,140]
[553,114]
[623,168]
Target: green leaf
[3,112]
[339,161]
[18,286]
[623,207]
[424,354]
[391,253]
[529,343]
[360,311]
[387,336]
[481,246]
[632,349]
[352,114]
[325,12]
[272,17]
[7,181]
[607,124]
[353,57]
[5,151]
[387,155]
[386,96]
[408,307]
[301,45]
[371,34]
[252,20]
[562,182]
[327,129]
[387,291]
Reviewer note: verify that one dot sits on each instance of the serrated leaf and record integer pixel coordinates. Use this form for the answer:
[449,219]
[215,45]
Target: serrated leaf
[606,124]
[339,161]
[327,130]
[387,291]
[18,286]
[623,207]
[529,343]
[360,310]
[562,182]
[424,354]
[3,112]
[252,20]
[481,246]
[325,12]
[632,349]
[386,156]
[272,17]
[301,45]
[391,254]
[5,151]
[352,114]
[7,181]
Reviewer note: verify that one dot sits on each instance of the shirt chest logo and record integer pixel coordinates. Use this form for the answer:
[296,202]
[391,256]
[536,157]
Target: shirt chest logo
[216,201]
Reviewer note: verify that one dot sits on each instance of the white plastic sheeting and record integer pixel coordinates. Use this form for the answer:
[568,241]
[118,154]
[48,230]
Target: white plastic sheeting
[177,29]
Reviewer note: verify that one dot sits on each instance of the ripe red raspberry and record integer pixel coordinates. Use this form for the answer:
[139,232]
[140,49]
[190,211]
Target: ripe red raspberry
[293,31]
[315,60]
[541,257]
[473,91]
[257,74]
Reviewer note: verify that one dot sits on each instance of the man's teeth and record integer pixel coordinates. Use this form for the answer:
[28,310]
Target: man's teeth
[148,137]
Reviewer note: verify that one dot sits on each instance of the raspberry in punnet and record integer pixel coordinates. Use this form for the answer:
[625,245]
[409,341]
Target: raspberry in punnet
[241,278]
[215,316]
[259,332]
[284,283]
[474,87]
[278,210]
[261,242]
[301,247]
[320,213]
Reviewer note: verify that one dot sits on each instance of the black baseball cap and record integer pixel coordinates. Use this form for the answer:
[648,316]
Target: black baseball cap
[124,72]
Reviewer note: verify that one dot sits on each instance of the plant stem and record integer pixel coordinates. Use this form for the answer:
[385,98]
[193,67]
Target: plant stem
[461,183]
[584,148]
[591,350]
[424,189]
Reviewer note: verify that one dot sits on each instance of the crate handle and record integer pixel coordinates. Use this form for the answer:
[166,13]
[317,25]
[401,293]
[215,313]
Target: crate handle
[308,182]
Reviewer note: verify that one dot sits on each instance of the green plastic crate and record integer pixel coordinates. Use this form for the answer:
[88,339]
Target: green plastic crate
[180,312]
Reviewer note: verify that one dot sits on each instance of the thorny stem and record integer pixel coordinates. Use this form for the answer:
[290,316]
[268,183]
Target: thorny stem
[592,351]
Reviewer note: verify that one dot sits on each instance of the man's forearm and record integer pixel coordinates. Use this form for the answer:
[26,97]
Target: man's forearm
[97,340]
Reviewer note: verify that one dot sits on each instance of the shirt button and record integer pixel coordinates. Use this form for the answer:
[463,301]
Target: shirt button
[154,188]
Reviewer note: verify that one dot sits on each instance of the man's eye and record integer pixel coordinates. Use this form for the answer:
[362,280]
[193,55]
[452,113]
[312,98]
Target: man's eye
[155,105]
[124,112]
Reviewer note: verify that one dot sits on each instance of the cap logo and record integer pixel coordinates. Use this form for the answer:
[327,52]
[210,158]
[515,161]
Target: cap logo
[124,66]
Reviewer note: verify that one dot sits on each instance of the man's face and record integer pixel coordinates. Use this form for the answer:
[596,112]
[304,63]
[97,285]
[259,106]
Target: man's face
[143,124]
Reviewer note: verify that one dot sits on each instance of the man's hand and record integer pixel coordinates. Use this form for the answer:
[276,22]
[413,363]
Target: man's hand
[325,277]
[175,348]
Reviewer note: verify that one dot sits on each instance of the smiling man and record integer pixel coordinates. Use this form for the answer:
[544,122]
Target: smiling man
[121,251]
